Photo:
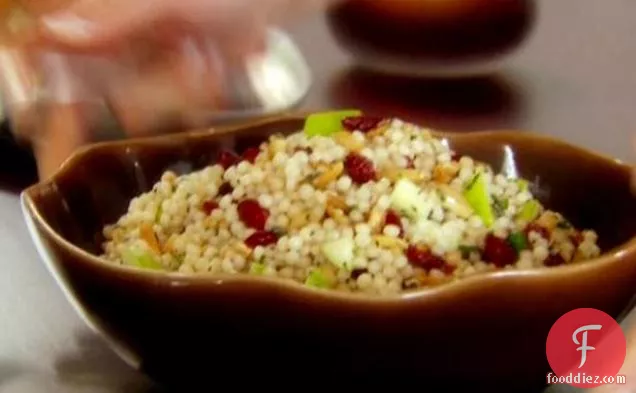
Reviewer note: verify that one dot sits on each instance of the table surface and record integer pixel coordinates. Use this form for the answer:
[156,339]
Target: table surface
[574,79]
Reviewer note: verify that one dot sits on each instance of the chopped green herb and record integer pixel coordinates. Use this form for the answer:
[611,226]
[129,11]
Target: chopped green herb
[478,198]
[529,211]
[327,123]
[518,241]
[564,224]
[141,258]
[499,206]
[467,250]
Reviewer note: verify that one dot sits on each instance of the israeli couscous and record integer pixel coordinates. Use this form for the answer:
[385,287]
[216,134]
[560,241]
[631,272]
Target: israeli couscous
[349,203]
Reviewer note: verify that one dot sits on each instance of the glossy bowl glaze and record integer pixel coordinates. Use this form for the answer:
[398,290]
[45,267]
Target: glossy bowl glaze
[179,329]
[432,38]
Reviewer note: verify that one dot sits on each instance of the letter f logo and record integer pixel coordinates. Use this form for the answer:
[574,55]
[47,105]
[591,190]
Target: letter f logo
[584,347]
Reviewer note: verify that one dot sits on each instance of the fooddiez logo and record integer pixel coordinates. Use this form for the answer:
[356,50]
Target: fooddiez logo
[586,348]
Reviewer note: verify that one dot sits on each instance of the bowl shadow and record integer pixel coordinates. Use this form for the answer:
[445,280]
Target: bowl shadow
[93,363]
[461,104]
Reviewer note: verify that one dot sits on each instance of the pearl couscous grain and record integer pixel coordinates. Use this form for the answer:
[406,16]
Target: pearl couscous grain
[379,207]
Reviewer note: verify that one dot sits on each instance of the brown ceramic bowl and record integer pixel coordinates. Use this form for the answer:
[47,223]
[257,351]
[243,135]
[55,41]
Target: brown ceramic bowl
[432,38]
[197,329]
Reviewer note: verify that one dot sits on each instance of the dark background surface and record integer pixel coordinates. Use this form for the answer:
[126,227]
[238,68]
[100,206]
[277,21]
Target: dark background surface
[575,79]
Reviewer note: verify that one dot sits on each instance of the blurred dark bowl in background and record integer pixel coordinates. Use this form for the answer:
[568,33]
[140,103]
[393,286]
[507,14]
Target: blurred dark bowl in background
[432,38]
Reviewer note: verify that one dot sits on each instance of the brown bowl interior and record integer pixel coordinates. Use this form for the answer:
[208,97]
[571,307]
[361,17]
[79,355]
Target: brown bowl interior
[210,325]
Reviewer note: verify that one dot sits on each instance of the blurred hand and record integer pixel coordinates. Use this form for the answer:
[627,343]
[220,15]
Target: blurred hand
[236,25]
[163,57]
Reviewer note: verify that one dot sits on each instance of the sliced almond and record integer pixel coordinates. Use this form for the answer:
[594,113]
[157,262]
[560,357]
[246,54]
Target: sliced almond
[375,220]
[434,280]
[413,175]
[316,215]
[242,249]
[444,173]
[329,175]
[336,201]
[453,258]
[578,256]
[224,252]
[420,276]
[548,220]
[338,215]
[455,201]
[297,221]
[379,130]
[391,172]
[223,224]
[348,141]
[395,173]
[169,245]
[210,222]
[391,242]
[117,235]
[147,234]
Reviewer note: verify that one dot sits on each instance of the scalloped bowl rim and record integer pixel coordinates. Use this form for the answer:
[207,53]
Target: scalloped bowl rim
[424,294]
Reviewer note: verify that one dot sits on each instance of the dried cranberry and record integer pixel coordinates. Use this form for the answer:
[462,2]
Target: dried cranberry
[361,123]
[456,156]
[209,206]
[424,258]
[251,153]
[449,269]
[261,238]
[554,260]
[410,163]
[576,238]
[225,188]
[228,159]
[534,227]
[392,218]
[499,251]
[252,214]
[359,168]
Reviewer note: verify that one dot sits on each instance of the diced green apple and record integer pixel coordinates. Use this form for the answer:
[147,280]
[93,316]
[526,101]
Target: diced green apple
[339,252]
[257,269]
[530,210]
[478,197]
[411,201]
[327,123]
[319,278]
[135,256]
